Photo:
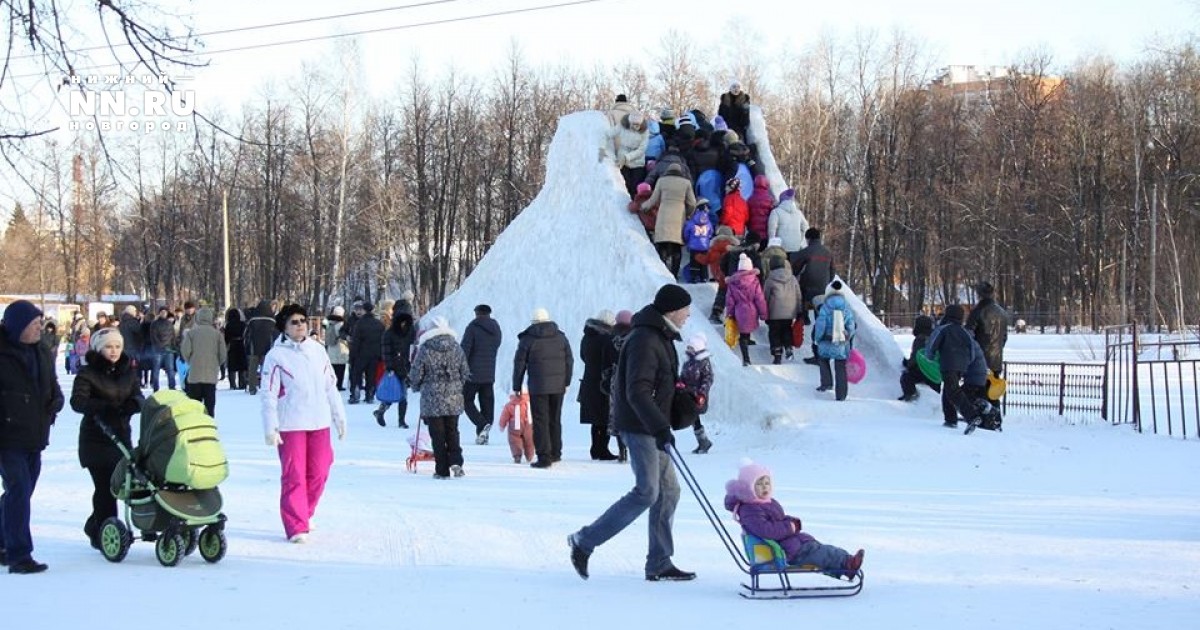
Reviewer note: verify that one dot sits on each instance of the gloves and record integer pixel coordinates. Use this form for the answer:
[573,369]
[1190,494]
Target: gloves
[664,438]
[130,407]
[273,438]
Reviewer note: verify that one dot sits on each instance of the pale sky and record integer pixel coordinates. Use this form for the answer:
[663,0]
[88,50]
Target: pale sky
[587,33]
[956,32]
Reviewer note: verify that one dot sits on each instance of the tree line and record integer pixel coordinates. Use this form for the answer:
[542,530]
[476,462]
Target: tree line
[1074,191]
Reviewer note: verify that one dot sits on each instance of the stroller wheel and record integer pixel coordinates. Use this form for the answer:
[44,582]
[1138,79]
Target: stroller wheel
[212,543]
[170,548]
[191,539]
[115,539]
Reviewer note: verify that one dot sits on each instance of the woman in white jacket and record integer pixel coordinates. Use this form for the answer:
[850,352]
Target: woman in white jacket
[299,403]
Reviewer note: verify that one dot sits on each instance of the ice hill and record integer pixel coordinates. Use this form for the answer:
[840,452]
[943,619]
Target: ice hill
[576,250]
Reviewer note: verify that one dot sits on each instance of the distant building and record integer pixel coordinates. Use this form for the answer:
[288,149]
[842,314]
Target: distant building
[977,85]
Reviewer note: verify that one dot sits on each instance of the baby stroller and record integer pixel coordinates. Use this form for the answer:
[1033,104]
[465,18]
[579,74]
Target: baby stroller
[169,484]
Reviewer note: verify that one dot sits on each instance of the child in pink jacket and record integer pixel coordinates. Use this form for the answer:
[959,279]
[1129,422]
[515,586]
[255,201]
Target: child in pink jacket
[515,418]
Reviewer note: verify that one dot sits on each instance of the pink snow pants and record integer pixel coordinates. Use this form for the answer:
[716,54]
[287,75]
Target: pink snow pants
[305,457]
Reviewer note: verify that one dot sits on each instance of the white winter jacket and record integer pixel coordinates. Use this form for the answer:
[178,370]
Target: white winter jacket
[788,223]
[298,390]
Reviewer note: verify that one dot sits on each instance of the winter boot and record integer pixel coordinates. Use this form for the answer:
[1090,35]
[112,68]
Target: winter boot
[702,442]
[379,417]
[403,408]
[853,564]
[776,356]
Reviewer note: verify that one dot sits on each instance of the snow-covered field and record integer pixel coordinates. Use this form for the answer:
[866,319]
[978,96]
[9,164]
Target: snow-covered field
[1047,525]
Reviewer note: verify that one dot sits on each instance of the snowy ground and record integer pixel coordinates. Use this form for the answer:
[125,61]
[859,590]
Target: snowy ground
[1047,525]
[1044,526]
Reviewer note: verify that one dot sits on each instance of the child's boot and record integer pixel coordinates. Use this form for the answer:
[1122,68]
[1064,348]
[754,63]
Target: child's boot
[702,442]
[853,564]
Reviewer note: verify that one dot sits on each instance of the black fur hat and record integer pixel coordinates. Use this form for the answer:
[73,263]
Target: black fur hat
[286,313]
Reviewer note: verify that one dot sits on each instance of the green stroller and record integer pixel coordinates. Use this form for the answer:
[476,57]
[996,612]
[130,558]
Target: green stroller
[168,484]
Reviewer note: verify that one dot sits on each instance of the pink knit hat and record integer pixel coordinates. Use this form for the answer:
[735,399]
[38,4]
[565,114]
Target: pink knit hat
[751,472]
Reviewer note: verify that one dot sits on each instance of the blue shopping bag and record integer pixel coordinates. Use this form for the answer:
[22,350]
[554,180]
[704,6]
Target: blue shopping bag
[181,369]
[391,389]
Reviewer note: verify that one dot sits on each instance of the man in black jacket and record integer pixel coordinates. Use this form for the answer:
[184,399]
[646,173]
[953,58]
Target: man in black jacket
[481,343]
[366,351]
[259,337]
[544,352]
[31,400]
[988,322]
[813,266]
[643,389]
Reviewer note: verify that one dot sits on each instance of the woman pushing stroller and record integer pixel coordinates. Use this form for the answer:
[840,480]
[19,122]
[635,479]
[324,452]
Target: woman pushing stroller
[107,390]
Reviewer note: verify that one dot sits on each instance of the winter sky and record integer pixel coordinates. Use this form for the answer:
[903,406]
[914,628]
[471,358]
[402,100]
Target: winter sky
[475,35]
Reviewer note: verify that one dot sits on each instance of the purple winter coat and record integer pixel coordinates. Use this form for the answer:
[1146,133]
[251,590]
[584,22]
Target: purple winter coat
[744,299]
[765,519]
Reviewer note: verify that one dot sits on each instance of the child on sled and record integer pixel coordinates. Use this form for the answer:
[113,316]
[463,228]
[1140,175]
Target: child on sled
[750,499]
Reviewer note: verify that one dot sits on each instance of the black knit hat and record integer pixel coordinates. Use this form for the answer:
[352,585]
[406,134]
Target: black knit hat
[985,289]
[285,313]
[955,313]
[671,297]
[812,234]
[483,309]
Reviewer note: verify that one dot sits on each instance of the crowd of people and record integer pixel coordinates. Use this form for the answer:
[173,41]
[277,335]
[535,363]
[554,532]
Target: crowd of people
[770,267]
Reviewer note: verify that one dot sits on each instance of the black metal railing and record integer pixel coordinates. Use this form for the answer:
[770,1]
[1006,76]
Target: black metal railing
[1066,389]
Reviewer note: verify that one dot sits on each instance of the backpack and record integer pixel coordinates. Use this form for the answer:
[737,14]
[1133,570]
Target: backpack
[178,442]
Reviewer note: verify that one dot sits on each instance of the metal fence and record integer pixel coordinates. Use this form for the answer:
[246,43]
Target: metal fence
[1147,381]
[1066,389]
[1153,384]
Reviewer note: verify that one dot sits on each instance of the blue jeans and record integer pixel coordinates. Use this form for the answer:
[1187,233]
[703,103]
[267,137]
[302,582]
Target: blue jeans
[164,360]
[19,470]
[656,488]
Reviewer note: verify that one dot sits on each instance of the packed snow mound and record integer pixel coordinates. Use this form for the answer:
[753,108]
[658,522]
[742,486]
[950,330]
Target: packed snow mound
[576,250]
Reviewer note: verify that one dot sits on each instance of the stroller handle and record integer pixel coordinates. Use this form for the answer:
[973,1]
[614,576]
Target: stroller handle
[110,434]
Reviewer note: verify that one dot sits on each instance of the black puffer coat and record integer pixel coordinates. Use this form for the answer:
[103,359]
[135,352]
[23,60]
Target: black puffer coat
[481,343]
[644,384]
[235,333]
[366,342]
[598,352]
[544,352]
[988,322]
[397,344]
[110,393]
[28,405]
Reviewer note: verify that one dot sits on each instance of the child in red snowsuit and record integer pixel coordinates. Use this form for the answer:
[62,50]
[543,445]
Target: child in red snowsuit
[515,419]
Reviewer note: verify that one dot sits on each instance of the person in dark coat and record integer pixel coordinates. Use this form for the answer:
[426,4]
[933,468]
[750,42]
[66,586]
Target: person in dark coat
[260,337]
[545,354]
[912,375]
[643,391]
[481,344]
[131,330]
[106,392]
[32,399]
[597,351]
[162,343]
[735,109]
[235,363]
[439,372]
[963,368]
[366,349]
[814,269]
[988,323]
[398,341]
